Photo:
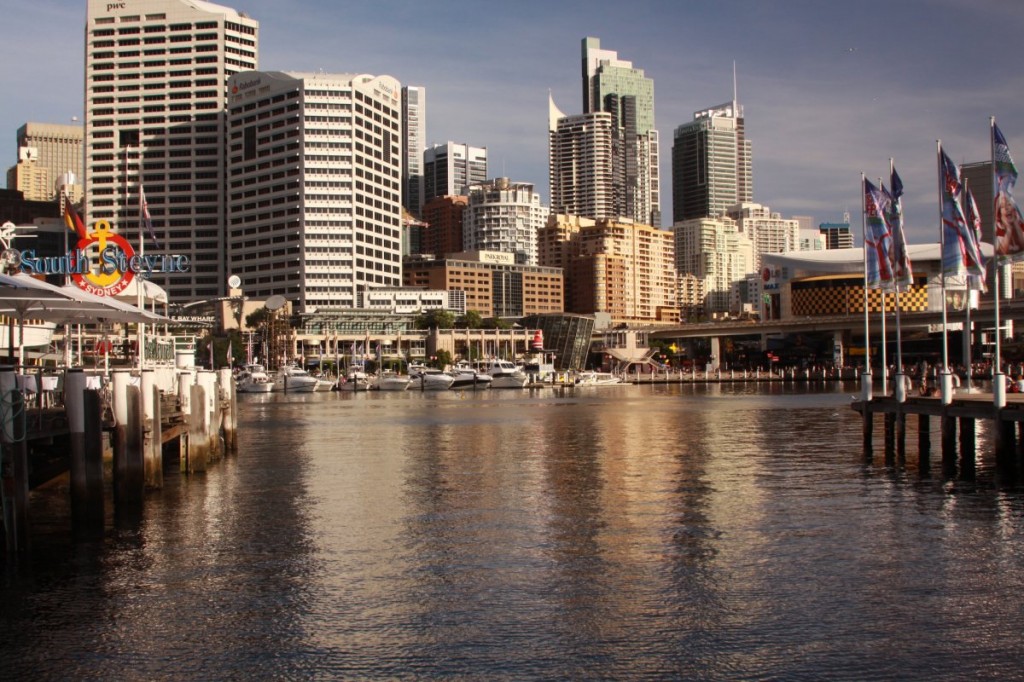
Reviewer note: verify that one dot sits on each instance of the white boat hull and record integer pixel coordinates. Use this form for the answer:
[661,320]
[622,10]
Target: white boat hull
[351,385]
[471,383]
[393,384]
[510,381]
[254,387]
[433,382]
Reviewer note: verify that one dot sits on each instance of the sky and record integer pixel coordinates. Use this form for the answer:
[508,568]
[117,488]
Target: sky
[830,90]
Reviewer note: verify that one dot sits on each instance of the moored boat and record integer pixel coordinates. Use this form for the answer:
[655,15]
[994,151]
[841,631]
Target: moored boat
[391,381]
[465,377]
[597,379]
[504,374]
[429,379]
[295,379]
[254,379]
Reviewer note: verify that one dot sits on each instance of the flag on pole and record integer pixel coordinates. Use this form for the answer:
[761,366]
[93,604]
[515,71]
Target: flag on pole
[902,271]
[1009,222]
[378,352]
[144,211]
[229,357]
[960,251]
[973,216]
[212,365]
[877,241]
[72,219]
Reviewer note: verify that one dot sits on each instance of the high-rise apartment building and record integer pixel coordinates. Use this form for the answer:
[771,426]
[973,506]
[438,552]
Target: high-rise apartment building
[504,216]
[621,268]
[448,169]
[46,153]
[614,86]
[314,197]
[768,232]
[155,75]
[580,163]
[414,127]
[718,256]
[711,164]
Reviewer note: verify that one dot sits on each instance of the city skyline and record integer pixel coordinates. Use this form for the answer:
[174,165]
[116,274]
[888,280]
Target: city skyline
[828,92]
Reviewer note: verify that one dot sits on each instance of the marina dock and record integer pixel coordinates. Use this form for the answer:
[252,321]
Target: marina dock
[958,427]
[117,435]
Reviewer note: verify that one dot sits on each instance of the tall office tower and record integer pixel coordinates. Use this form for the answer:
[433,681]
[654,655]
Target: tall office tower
[315,191]
[580,163]
[978,178]
[837,235]
[443,234]
[768,232]
[155,75]
[711,164]
[414,127]
[504,216]
[46,152]
[612,85]
[718,255]
[448,169]
[625,269]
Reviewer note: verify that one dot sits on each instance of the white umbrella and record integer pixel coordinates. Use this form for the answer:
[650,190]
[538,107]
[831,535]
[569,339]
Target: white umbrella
[26,297]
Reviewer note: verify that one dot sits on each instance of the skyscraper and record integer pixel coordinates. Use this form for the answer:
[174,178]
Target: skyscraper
[155,74]
[580,163]
[54,150]
[837,235]
[314,199]
[711,163]
[414,125]
[614,86]
[448,169]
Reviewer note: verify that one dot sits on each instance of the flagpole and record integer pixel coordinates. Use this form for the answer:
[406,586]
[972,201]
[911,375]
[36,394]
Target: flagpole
[139,284]
[946,382]
[901,388]
[968,332]
[998,380]
[885,360]
[865,385]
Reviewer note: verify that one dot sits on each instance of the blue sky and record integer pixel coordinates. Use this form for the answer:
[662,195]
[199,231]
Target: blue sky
[829,89]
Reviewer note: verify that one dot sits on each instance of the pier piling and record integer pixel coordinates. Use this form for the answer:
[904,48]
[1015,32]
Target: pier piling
[948,425]
[14,464]
[198,439]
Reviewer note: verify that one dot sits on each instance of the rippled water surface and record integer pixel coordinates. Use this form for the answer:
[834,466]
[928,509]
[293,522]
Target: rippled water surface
[628,532]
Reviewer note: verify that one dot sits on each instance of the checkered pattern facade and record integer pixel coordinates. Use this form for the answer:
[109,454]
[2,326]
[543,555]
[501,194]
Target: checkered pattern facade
[814,299]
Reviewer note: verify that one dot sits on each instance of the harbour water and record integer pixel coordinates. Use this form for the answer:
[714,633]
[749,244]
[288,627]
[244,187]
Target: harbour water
[623,532]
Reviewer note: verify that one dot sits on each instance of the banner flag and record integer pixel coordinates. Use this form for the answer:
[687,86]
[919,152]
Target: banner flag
[877,241]
[1009,222]
[72,220]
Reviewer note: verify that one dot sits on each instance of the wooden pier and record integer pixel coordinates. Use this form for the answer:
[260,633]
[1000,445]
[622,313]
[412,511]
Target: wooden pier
[119,437]
[958,428]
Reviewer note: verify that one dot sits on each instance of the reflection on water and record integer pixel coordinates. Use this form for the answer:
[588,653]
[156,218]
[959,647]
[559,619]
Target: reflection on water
[708,532]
